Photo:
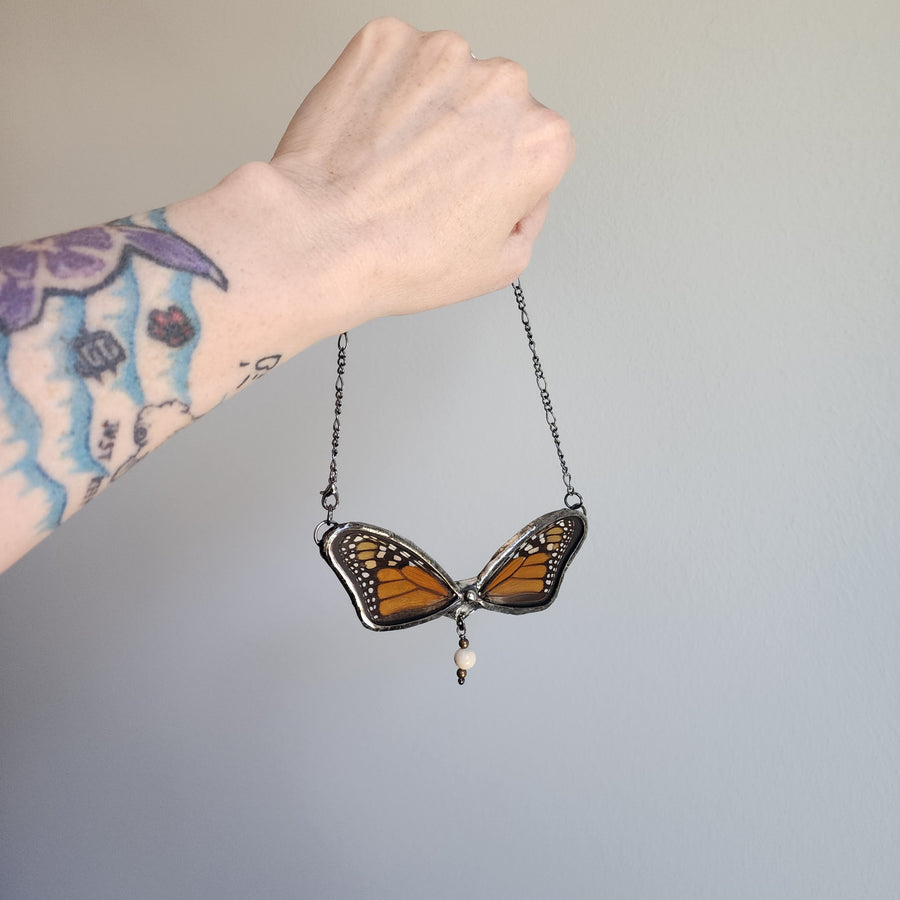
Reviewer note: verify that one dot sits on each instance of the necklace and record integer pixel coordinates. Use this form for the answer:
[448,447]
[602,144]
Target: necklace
[393,584]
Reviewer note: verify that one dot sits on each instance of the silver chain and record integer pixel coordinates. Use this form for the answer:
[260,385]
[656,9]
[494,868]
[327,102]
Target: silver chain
[573,499]
[330,497]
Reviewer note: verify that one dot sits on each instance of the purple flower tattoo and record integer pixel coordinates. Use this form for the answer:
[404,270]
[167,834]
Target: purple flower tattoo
[83,261]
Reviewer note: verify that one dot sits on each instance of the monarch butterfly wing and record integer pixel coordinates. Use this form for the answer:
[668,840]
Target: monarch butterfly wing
[392,583]
[526,572]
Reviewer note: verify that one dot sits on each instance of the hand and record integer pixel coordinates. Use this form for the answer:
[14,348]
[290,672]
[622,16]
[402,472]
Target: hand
[427,171]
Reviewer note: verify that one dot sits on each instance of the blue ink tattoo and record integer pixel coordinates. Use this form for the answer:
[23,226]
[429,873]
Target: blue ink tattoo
[91,357]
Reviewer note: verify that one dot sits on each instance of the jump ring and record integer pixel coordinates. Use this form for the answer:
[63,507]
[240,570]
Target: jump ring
[317,537]
[573,499]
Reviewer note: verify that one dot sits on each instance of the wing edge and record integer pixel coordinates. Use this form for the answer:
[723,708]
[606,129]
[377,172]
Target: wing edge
[507,551]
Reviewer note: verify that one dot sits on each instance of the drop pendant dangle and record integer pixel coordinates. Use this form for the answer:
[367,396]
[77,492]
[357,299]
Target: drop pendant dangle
[464,657]
[394,584]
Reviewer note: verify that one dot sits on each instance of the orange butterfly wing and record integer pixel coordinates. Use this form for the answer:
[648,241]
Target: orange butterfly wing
[392,583]
[525,574]
[407,588]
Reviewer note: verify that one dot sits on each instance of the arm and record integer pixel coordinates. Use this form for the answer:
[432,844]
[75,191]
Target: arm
[412,176]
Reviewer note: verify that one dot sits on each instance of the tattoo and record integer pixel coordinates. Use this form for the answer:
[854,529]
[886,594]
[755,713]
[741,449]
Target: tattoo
[93,489]
[152,426]
[260,367]
[84,261]
[108,440]
[95,288]
[171,326]
[96,352]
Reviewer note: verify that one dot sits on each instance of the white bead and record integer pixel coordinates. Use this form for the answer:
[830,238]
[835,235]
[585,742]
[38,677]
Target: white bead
[464,658]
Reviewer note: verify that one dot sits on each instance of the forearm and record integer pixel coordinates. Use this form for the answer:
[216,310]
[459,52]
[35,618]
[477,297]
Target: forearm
[115,337]
[411,176]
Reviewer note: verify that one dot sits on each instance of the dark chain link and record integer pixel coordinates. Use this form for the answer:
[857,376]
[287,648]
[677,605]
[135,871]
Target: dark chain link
[330,498]
[573,499]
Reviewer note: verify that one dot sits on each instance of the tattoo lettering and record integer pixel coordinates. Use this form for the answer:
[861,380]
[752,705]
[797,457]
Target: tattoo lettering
[170,326]
[93,489]
[107,442]
[260,367]
[96,352]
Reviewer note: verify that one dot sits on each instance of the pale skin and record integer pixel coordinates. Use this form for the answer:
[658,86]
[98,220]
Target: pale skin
[412,176]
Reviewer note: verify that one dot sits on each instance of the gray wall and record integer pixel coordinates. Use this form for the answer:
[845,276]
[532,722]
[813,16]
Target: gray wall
[189,707]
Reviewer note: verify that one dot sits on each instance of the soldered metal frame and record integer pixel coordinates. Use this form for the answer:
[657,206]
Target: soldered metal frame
[467,593]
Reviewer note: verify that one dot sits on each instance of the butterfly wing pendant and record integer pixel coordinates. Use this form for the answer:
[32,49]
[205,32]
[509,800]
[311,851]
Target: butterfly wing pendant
[393,584]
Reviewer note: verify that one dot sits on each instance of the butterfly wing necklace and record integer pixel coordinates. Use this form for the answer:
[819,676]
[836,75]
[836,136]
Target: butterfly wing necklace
[394,584]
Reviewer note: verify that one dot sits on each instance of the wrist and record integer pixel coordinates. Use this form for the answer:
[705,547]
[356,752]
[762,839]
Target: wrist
[285,292]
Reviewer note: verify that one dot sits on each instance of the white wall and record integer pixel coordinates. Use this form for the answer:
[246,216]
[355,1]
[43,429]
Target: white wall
[189,707]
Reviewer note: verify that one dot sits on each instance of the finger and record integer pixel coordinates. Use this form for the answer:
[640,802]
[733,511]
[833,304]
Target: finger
[517,251]
[528,227]
[557,149]
[550,153]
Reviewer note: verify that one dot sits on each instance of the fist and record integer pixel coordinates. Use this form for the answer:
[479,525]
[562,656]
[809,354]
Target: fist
[427,172]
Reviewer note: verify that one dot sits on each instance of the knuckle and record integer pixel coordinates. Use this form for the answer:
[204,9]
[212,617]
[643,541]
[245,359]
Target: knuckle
[387,24]
[561,131]
[449,44]
[556,133]
[510,73]
[384,29]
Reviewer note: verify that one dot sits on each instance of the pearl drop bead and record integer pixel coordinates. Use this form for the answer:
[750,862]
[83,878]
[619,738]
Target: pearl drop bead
[464,658]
